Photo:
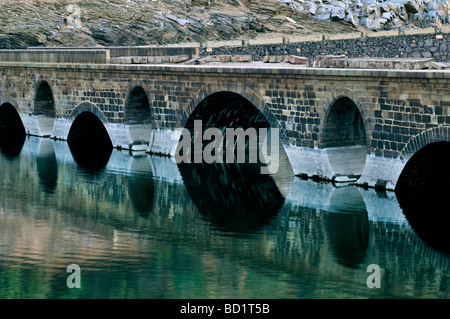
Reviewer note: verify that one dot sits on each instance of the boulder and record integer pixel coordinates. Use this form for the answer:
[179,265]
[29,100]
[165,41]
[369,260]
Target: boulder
[337,14]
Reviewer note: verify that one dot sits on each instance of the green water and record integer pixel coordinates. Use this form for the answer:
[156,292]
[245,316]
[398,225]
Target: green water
[142,227]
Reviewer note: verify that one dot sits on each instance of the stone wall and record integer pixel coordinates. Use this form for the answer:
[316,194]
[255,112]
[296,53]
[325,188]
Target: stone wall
[431,45]
[401,110]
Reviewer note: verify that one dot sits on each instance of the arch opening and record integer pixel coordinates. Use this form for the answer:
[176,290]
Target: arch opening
[345,139]
[138,116]
[222,110]
[422,192]
[12,130]
[141,186]
[44,108]
[89,141]
[234,196]
[428,167]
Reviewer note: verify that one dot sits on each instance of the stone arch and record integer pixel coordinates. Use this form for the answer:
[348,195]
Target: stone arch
[417,143]
[431,135]
[330,100]
[89,107]
[344,133]
[44,107]
[6,98]
[138,115]
[421,185]
[234,87]
[225,105]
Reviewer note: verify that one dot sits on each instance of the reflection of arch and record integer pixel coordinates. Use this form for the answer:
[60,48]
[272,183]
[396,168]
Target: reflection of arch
[88,138]
[141,185]
[237,88]
[344,135]
[12,130]
[348,226]
[47,166]
[44,108]
[235,198]
[138,115]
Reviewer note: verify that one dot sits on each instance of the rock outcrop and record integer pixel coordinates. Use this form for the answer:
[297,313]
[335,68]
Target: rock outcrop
[26,23]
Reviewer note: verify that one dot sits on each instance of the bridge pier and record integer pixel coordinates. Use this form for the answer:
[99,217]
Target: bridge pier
[311,162]
[377,172]
[120,134]
[163,142]
[381,172]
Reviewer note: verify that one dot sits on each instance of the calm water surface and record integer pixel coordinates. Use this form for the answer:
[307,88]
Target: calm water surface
[143,227]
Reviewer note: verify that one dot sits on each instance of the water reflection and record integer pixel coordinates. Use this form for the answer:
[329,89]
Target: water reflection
[47,166]
[236,198]
[141,185]
[348,226]
[11,147]
[91,158]
[138,232]
[426,209]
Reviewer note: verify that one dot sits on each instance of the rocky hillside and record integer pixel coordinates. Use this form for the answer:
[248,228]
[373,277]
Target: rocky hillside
[26,23]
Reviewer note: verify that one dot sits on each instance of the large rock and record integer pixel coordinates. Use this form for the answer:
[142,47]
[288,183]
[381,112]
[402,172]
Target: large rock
[142,22]
[337,14]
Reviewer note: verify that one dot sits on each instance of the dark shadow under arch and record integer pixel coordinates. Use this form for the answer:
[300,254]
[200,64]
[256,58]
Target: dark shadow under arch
[428,167]
[348,226]
[47,166]
[89,141]
[223,110]
[138,107]
[235,197]
[344,137]
[138,116]
[141,186]
[422,191]
[12,131]
[44,108]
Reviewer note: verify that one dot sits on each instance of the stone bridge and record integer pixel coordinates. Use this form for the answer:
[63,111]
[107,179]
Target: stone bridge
[335,124]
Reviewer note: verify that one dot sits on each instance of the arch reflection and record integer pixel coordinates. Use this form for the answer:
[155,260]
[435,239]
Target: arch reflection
[348,226]
[141,185]
[47,166]
[235,198]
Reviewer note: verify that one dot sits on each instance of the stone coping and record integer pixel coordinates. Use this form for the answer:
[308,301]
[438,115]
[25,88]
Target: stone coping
[246,70]
[192,50]
[266,41]
[58,56]
[329,37]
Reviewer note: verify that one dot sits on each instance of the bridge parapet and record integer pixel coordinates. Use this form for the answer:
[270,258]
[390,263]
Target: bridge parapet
[97,56]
